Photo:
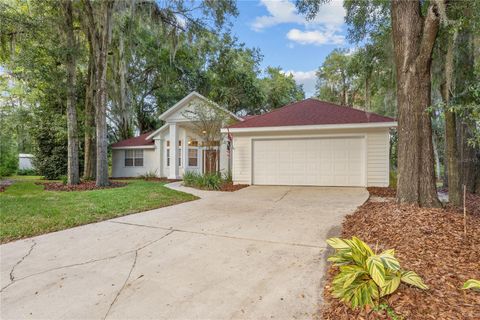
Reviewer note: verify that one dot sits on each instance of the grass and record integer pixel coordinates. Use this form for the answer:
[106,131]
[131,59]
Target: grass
[26,209]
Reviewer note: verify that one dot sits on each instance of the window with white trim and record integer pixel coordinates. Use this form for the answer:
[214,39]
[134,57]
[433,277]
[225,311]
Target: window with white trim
[193,153]
[134,158]
[179,153]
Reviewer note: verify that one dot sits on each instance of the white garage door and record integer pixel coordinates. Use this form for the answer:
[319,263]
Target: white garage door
[317,162]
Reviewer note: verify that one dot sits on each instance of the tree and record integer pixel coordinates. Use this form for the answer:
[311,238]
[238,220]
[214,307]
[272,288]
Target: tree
[414,30]
[414,36]
[280,89]
[334,79]
[207,120]
[73,176]
[99,24]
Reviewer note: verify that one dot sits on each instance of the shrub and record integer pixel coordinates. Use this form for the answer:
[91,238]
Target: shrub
[8,157]
[27,172]
[149,175]
[209,181]
[212,181]
[64,179]
[365,276]
[227,177]
[190,178]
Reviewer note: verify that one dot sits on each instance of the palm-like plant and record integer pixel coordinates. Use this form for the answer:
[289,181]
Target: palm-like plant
[365,276]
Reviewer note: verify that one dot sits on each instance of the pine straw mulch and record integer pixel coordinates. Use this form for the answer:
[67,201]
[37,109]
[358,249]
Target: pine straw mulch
[428,241]
[82,186]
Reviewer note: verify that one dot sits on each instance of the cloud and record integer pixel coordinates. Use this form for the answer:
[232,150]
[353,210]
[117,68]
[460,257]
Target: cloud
[306,78]
[315,37]
[331,15]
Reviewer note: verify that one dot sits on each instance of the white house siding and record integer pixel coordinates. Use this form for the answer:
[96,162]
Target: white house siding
[378,159]
[150,164]
[25,161]
[242,160]
[377,166]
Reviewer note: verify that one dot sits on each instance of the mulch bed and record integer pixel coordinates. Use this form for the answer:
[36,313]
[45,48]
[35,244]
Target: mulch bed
[4,184]
[162,179]
[382,192]
[83,186]
[430,242]
[230,187]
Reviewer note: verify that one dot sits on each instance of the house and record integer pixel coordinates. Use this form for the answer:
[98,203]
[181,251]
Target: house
[309,142]
[153,152]
[25,161]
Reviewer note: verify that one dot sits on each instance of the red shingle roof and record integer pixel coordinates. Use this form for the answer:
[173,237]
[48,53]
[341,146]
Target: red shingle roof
[311,112]
[135,142]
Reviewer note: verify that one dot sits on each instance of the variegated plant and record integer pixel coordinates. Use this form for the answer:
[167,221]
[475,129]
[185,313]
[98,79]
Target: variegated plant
[366,276]
[472,284]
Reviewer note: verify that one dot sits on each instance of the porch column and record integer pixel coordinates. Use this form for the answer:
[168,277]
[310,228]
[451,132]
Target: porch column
[173,169]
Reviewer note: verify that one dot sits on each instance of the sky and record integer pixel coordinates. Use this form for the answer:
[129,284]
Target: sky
[287,40]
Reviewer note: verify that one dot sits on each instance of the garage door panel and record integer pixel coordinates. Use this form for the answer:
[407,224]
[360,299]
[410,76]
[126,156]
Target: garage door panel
[319,161]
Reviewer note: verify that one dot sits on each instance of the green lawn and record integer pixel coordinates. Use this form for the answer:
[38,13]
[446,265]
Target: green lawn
[27,210]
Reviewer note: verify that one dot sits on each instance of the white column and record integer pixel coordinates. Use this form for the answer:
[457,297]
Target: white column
[158,155]
[173,170]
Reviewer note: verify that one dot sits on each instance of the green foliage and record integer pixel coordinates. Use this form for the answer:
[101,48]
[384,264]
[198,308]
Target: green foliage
[149,175]
[8,156]
[51,145]
[208,181]
[365,276]
[472,284]
[64,179]
[27,172]
[393,179]
[280,89]
[390,312]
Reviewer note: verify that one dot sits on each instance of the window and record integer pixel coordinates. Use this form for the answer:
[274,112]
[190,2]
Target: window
[192,157]
[179,153]
[192,153]
[133,158]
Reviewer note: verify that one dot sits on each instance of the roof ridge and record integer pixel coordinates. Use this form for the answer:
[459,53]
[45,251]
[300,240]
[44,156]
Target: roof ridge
[350,108]
[275,110]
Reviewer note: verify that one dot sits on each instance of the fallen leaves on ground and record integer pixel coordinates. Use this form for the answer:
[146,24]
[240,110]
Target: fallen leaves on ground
[430,242]
[382,192]
[82,186]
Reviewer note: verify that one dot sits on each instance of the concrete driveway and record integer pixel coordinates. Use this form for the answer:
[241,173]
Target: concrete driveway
[256,253]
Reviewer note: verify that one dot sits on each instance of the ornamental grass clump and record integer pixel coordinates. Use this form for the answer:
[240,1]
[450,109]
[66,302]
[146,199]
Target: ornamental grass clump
[365,276]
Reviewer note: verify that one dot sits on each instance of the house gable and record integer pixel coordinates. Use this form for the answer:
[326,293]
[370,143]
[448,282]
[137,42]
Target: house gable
[177,113]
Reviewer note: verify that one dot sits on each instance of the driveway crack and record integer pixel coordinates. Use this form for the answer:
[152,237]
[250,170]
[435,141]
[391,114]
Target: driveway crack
[131,270]
[283,196]
[124,284]
[12,277]
[80,263]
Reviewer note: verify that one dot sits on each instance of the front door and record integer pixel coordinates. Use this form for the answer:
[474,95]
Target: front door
[210,161]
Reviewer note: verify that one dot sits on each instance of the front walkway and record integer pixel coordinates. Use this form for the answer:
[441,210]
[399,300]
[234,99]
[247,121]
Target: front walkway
[255,253]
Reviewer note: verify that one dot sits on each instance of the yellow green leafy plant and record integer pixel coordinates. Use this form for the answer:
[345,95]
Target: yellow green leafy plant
[366,276]
[472,284]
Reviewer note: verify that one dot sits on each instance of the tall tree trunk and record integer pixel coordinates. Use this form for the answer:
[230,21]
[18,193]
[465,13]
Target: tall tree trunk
[414,37]
[90,158]
[451,152]
[126,130]
[367,93]
[100,33]
[72,167]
